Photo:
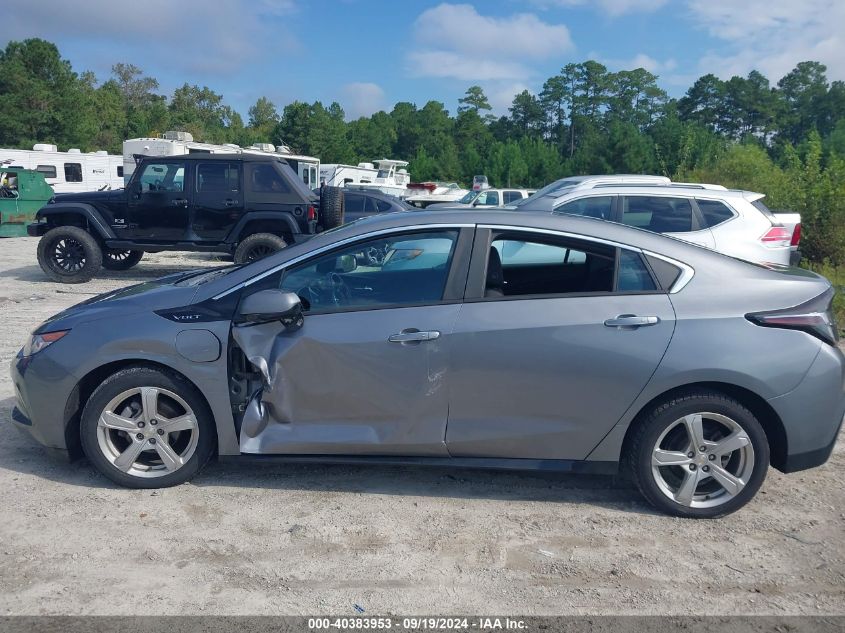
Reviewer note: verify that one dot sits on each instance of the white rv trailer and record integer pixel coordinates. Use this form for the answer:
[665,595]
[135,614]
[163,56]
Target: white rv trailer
[181,143]
[68,171]
[387,176]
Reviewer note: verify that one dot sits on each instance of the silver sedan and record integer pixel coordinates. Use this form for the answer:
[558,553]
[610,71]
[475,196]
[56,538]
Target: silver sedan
[464,339]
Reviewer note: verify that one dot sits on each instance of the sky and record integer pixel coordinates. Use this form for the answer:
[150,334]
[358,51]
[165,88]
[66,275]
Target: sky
[370,54]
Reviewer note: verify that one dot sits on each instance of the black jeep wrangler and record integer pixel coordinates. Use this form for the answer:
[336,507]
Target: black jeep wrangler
[243,204]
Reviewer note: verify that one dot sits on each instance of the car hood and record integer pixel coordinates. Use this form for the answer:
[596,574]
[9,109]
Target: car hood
[167,292]
[89,196]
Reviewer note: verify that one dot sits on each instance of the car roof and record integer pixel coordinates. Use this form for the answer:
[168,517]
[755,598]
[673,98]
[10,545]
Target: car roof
[247,158]
[660,190]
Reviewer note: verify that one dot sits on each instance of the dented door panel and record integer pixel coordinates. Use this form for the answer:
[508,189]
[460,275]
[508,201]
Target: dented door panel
[339,385]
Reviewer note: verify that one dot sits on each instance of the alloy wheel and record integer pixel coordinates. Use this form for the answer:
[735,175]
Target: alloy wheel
[69,255]
[147,432]
[702,460]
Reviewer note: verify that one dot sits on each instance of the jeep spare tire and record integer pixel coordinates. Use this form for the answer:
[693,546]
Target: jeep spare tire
[258,246]
[332,207]
[69,254]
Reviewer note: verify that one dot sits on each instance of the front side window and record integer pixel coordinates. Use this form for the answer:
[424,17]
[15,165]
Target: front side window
[468,198]
[714,212]
[487,199]
[392,271]
[163,177]
[660,214]
[73,172]
[598,207]
[218,178]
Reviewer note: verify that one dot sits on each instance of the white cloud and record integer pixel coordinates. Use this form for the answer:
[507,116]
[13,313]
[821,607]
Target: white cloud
[454,40]
[771,36]
[501,95]
[362,99]
[191,35]
[640,60]
[613,8]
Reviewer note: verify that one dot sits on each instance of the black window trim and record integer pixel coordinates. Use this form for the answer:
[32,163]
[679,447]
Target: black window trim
[487,234]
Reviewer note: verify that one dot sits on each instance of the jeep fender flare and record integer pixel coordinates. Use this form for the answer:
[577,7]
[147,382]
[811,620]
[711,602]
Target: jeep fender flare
[284,218]
[94,222]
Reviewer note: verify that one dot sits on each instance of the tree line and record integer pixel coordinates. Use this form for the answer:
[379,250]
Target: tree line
[786,139]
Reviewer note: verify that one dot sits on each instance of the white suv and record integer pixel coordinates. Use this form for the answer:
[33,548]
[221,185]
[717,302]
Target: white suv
[486,198]
[733,222]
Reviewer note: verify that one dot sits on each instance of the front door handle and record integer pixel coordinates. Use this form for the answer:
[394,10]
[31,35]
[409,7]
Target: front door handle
[412,335]
[231,203]
[632,321]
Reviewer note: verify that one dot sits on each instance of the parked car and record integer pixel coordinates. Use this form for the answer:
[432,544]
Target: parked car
[248,205]
[486,198]
[736,223]
[471,338]
[360,203]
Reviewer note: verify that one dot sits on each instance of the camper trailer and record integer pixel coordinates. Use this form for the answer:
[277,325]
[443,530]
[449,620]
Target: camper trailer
[70,171]
[175,143]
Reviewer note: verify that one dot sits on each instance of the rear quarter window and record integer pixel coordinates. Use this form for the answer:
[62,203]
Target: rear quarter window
[714,212]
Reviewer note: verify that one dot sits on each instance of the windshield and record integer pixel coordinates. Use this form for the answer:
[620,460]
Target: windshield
[557,185]
[467,199]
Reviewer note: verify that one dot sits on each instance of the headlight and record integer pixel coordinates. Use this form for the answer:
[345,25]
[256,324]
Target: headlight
[37,342]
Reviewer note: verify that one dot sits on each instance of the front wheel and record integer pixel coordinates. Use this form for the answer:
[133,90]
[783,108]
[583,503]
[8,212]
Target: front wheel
[68,254]
[147,428]
[701,454]
[116,259]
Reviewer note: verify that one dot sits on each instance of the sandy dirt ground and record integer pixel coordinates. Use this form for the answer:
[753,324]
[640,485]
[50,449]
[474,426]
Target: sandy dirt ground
[322,539]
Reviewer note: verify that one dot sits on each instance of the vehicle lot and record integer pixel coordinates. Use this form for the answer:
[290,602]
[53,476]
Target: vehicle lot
[259,539]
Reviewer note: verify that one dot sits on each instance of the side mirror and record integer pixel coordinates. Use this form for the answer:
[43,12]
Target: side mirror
[266,306]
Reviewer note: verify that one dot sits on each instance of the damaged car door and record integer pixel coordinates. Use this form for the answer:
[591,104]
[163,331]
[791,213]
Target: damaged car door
[363,369]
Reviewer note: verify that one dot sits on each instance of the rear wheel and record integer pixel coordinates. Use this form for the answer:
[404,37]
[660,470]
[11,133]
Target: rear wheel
[701,454]
[258,246]
[69,254]
[147,428]
[116,259]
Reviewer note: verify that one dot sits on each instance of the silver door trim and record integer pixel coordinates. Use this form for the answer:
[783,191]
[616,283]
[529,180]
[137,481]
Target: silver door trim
[333,245]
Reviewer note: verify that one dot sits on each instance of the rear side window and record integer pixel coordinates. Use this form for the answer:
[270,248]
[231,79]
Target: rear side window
[73,172]
[218,178]
[714,212]
[659,214]
[382,205]
[264,179]
[598,207]
[49,171]
[511,196]
[633,275]
[354,203]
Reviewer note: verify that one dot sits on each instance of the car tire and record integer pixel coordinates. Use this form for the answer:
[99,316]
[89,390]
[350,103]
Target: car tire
[117,259]
[124,425]
[680,478]
[258,246]
[332,207]
[69,254]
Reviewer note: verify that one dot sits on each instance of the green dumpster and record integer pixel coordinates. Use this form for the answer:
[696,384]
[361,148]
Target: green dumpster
[22,193]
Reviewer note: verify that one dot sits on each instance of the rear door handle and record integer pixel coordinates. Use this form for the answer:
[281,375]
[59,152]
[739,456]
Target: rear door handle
[632,321]
[412,335]
[231,203]
[180,202]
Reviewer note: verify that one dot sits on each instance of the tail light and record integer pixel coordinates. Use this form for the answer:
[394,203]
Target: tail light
[815,317]
[312,214]
[796,235]
[777,236]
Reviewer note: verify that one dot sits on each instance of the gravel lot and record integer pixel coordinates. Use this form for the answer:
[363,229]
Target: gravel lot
[323,539]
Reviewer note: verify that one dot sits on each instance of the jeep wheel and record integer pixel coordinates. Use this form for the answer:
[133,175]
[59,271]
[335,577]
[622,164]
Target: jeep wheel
[116,259]
[332,207]
[70,255]
[258,246]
